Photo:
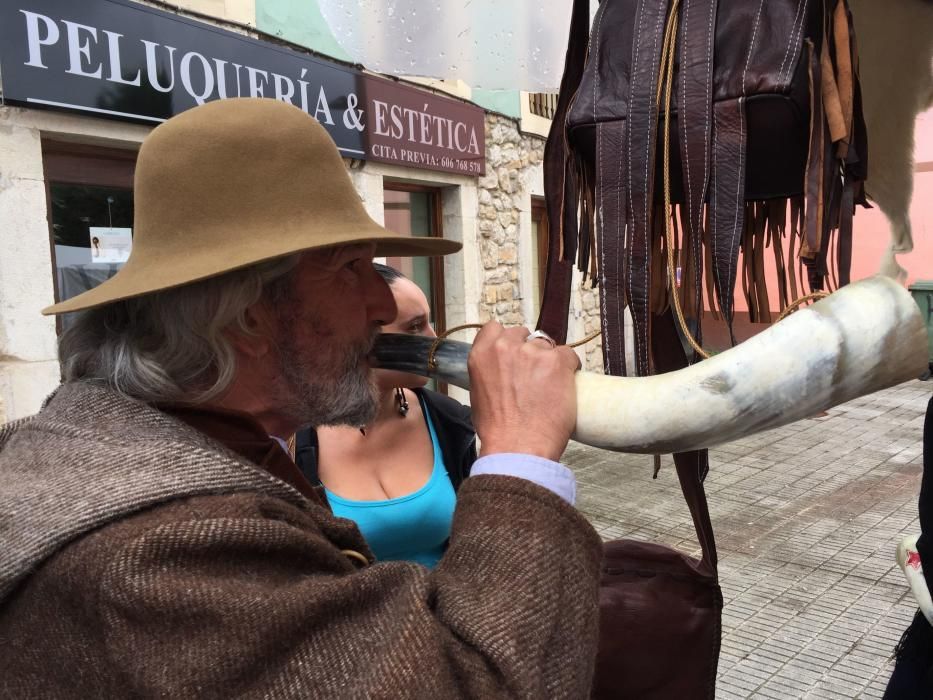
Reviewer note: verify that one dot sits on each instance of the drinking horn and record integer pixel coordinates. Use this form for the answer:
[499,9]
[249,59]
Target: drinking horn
[865,337]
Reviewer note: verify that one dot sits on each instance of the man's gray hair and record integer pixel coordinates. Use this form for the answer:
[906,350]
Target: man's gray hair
[171,346]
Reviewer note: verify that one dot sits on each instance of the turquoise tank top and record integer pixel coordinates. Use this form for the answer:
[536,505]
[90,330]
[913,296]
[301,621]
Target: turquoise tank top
[415,527]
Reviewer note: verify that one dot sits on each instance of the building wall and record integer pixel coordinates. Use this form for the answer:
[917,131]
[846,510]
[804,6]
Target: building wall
[495,276]
[506,240]
[28,344]
[240,11]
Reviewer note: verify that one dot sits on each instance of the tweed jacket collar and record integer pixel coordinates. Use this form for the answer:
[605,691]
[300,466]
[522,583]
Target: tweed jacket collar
[91,456]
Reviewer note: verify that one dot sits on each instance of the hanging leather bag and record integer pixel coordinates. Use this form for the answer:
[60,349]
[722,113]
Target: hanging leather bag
[767,157]
[767,152]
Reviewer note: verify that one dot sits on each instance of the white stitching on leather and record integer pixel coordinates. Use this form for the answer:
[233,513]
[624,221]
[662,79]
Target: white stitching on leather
[599,159]
[600,236]
[620,319]
[594,39]
[657,33]
[685,146]
[790,41]
[796,37]
[629,148]
[738,189]
[714,201]
[798,44]
[710,44]
[751,45]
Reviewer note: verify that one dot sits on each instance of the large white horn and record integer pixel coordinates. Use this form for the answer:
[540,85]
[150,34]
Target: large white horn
[865,337]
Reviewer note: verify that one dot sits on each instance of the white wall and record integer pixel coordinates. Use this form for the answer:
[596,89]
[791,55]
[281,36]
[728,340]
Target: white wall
[28,345]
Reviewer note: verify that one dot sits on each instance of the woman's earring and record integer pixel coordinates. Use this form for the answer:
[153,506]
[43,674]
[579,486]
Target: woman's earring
[401,402]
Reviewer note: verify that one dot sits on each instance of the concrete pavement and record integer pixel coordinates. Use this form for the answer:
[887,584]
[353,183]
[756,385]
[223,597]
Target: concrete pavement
[806,518]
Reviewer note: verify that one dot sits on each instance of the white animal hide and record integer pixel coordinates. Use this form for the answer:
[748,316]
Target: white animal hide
[895,45]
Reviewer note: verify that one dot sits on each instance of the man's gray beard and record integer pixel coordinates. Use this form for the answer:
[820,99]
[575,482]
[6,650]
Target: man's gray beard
[328,390]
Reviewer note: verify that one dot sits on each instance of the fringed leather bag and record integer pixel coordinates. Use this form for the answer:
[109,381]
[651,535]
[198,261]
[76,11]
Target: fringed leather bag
[693,138]
[767,157]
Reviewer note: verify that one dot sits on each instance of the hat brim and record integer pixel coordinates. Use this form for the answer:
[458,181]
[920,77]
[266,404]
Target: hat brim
[133,281]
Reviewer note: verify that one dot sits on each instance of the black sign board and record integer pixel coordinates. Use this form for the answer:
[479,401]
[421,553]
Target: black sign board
[122,60]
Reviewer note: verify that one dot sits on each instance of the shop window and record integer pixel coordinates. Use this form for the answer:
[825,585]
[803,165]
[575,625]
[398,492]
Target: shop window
[415,211]
[89,193]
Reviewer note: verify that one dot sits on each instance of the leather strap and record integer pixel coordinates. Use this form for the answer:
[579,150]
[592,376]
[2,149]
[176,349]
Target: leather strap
[815,171]
[796,226]
[640,153]
[777,224]
[559,185]
[758,264]
[610,232]
[845,71]
[727,200]
[695,100]
[692,467]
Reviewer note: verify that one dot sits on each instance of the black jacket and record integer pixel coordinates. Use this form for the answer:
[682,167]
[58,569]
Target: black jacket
[453,426]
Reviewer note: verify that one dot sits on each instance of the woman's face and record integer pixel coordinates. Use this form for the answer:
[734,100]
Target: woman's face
[414,318]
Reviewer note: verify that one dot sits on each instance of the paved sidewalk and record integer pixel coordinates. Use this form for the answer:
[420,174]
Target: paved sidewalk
[807,518]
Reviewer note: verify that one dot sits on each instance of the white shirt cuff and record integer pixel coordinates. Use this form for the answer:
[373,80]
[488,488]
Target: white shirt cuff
[553,476]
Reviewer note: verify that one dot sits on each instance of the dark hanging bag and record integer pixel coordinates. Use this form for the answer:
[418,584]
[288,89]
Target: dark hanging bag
[767,157]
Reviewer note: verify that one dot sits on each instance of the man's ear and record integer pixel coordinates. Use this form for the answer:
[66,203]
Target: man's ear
[256,337]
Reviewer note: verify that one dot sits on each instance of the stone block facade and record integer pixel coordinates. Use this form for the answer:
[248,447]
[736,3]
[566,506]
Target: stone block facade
[505,236]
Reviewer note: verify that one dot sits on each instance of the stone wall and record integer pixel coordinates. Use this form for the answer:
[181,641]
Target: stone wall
[586,311]
[513,172]
[502,198]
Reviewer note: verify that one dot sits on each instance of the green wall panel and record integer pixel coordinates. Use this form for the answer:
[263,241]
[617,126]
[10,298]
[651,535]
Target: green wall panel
[300,22]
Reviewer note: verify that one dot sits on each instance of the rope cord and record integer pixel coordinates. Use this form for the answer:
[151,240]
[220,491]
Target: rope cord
[432,361]
[584,341]
[666,77]
[819,294]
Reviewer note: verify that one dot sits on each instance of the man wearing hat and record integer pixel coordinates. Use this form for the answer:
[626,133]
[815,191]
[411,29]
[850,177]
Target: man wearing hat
[156,540]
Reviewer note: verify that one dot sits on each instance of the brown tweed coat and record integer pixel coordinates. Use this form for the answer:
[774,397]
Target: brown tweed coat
[140,558]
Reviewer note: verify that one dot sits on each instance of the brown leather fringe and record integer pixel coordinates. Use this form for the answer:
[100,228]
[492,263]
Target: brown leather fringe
[812,230]
[709,280]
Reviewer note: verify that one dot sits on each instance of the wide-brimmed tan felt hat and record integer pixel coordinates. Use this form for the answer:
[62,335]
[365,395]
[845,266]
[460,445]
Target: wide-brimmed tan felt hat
[233,183]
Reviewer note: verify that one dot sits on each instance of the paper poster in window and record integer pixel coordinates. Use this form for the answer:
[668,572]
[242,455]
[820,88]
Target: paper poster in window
[110,245]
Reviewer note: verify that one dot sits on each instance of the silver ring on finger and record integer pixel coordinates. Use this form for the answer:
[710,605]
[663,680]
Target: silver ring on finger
[541,335]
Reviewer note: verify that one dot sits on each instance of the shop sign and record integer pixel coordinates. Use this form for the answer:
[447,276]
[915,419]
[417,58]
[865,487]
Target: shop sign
[122,60]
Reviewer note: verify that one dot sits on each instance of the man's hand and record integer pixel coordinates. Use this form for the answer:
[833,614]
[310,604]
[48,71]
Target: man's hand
[522,393]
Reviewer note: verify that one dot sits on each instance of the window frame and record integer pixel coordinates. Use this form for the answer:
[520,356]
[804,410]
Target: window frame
[81,164]
[438,299]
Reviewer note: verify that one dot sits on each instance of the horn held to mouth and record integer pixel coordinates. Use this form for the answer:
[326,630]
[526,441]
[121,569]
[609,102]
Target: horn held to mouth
[865,337]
